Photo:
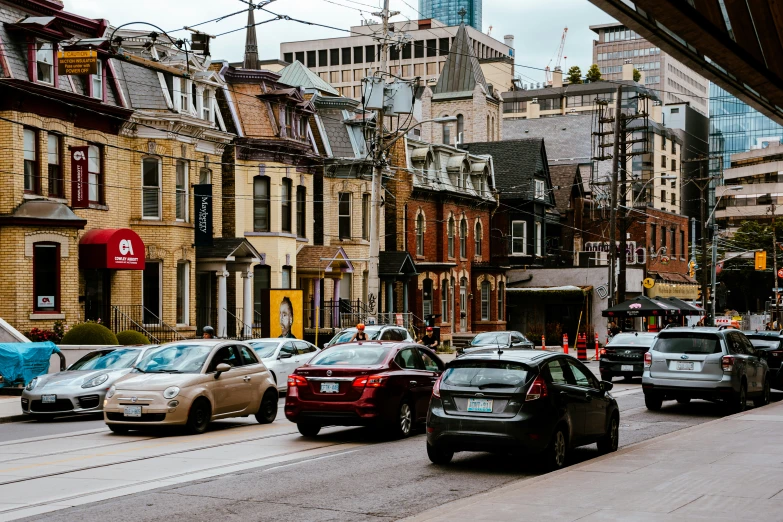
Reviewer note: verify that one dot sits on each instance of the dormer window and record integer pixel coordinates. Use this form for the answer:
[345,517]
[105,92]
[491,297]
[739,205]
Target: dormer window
[288,120]
[206,106]
[44,59]
[96,82]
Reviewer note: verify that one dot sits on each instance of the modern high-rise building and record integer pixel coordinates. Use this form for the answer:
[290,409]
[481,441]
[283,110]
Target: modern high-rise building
[672,81]
[449,11]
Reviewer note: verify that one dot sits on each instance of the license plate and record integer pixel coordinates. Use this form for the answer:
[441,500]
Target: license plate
[480,405]
[330,387]
[48,399]
[626,367]
[133,411]
[684,365]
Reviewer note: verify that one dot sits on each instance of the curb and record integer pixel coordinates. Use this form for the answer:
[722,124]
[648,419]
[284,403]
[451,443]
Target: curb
[14,418]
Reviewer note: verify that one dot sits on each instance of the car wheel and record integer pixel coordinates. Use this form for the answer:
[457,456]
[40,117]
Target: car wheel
[554,456]
[683,400]
[606,376]
[438,455]
[652,401]
[267,411]
[610,441]
[199,417]
[119,429]
[763,400]
[307,429]
[740,401]
[403,424]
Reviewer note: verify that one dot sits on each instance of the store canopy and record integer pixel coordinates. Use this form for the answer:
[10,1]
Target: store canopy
[685,308]
[111,248]
[642,306]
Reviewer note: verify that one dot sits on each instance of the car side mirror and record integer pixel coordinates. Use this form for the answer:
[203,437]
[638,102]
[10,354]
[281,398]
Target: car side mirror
[606,386]
[221,368]
[285,356]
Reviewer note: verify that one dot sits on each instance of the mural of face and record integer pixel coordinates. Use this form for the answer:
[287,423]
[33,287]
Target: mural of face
[286,317]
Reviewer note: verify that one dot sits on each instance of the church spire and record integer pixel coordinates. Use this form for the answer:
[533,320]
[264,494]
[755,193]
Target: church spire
[251,43]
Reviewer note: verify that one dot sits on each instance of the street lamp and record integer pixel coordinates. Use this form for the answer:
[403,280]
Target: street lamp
[715,246]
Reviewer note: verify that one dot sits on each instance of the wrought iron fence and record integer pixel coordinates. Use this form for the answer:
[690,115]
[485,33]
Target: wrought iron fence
[141,319]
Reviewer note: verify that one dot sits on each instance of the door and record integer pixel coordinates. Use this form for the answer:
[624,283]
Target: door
[755,369]
[252,374]
[463,305]
[97,295]
[230,390]
[569,399]
[286,361]
[304,352]
[595,402]
[151,293]
[417,380]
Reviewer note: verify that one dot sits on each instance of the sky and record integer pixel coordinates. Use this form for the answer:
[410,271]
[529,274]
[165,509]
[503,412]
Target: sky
[537,25]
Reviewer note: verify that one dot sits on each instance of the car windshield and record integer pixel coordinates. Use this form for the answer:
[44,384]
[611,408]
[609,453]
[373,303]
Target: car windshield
[486,374]
[346,335]
[265,349]
[351,356]
[489,338]
[644,341]
[175,358]
[764,343]
[692,343]
[114,360]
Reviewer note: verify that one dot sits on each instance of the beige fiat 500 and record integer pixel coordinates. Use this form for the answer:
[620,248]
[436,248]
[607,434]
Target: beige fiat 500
[192,383]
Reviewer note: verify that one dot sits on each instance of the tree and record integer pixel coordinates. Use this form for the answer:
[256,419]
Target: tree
[593,74]
[636,75]
[575,74]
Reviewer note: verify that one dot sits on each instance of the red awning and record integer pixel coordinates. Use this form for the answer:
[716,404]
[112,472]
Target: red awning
[112,248]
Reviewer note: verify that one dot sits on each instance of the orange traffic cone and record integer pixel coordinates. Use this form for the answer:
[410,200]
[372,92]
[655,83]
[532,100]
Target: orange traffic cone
[565,343]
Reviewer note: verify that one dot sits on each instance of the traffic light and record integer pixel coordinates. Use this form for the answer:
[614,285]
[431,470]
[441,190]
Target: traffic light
[692,268]
[761,260]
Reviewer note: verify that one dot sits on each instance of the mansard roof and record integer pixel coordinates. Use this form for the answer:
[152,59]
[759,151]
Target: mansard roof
[298,75]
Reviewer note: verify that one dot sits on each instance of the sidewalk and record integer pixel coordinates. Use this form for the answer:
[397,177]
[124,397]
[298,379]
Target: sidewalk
[11,410]
[726,469]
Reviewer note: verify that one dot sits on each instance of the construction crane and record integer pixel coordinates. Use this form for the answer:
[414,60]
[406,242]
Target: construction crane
[547,70]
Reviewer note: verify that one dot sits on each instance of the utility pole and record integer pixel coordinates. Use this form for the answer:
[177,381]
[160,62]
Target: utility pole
[621,276]
[374,283]
[775,260]
[613,209]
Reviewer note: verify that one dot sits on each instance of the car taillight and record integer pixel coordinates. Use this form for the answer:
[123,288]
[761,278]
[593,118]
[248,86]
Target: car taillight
[296,380]
[602,351]
[370,381]
[436,388]
[647,359]
[537,390]
[727,363]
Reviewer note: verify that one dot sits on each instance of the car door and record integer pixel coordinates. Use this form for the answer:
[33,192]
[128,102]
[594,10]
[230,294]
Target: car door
[755,367]
[743,363]
[433,367]
[229,390]
[253,374]
[570,400]
[418,381]
[596,404]
[286,361]
[304,352]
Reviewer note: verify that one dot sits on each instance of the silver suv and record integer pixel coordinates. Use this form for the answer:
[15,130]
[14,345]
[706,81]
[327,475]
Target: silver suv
[704,363]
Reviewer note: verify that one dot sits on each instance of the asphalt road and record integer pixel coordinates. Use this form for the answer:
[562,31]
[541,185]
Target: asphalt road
[385,480]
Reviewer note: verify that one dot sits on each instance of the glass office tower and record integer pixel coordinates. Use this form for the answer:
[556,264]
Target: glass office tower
[447,11]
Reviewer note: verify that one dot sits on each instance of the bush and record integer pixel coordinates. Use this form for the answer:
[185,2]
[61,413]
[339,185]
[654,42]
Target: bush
[54,335]
[131,337]
[89,334]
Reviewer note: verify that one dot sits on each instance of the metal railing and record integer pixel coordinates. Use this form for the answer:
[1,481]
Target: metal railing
[335,315]
[143,320]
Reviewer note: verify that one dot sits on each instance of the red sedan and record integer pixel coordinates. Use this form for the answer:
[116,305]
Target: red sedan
[363,384]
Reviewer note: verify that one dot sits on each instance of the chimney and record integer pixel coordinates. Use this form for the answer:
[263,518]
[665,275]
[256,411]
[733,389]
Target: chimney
[533,109]
[627,71]
[557,77]
[509,40]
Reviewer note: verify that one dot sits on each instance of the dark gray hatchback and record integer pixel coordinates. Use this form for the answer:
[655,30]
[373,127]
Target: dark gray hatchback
[528,402]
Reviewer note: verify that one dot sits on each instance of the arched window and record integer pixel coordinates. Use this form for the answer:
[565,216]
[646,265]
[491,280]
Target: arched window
[463,238]
[489,129]
[261,204]
[477,237]
[485,291]
[446,132]
[460,128]
[420,235]
[451,236]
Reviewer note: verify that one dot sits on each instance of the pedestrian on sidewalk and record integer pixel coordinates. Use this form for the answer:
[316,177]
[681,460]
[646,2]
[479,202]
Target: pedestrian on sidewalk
[207,332]
[428,339]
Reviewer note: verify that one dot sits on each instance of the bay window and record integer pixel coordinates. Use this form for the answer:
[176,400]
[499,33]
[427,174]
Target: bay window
[46,277]
[151,188]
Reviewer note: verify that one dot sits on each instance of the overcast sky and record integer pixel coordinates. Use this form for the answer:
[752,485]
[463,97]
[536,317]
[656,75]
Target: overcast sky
[537,25]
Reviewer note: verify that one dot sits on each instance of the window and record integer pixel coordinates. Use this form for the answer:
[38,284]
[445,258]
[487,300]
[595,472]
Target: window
[446,132]
[301,206]
[366,217]
[44,62]
[311,59]
[346,75]
[429,363]
[150,188]
[409,359]
[300,57]
[539,239]
[418,69]
[426,297]
[674,239]
[674,145]
[285,205]
[46,277]
[183,292]
[663,233]
[463,238]
[96,82]
[288,57]
[344,215]
[674,199]
[581,377]
[30,160]
[206,106]
[151,297]
[443,46]
[323,56]
[261,204]
[663,161]
[182,191]
[357,54]
[518,238]
[674,165]
[477,238]
[653,238]
[288,118]
[181,95]
[485,290]
[501,301]
[444,303]
[432,49]
[286,277]
[432,68]
[683,248]
[334,77]
[557,372]
[420,235]
[461,127]
[55,172]
[334,56]
[346,53]
[262,280]
[204,176]
[248,356]
[451,236]
[540,190]
[95,174]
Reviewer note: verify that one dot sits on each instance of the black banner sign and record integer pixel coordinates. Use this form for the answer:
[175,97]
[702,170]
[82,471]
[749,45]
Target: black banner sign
[202,202]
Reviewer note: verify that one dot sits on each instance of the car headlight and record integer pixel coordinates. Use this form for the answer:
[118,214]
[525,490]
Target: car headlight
[111,392]
[96,381]
[170,392]
[31,384]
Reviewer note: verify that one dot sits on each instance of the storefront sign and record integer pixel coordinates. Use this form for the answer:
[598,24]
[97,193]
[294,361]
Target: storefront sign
[681,291]
[79,178]
[202,196]
[633,255]
[45,301]
[78,62]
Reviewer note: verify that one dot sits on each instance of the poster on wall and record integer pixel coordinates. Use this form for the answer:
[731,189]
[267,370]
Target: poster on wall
[281,313]
[80,197]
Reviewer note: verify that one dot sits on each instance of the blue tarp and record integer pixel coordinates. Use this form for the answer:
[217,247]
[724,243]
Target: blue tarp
[21,362]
